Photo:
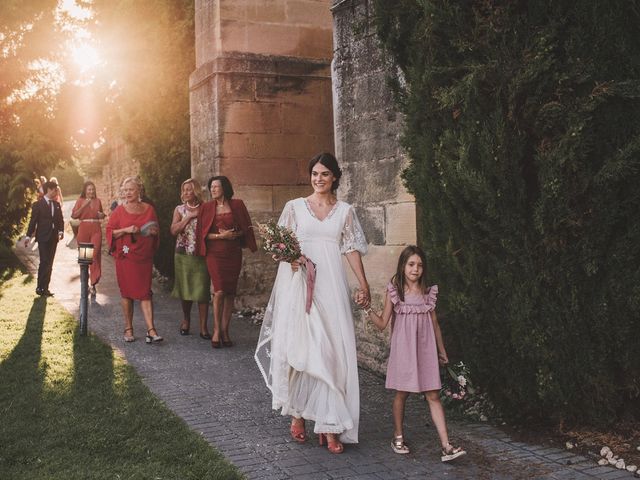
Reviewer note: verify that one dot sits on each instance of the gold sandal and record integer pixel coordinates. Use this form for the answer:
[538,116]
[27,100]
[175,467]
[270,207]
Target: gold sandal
[451,453]
[398,445]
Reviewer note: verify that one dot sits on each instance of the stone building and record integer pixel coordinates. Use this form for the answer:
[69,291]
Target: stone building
[277,82]
[367,130]
[261,106]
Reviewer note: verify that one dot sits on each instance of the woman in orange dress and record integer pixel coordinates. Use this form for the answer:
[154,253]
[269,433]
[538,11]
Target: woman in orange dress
[224,229]
[88,209]
[132,232]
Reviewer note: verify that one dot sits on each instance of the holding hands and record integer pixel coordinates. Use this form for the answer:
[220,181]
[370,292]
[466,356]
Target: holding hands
[362,297]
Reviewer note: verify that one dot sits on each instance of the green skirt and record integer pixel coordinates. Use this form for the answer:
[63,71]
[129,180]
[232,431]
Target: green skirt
[192,281]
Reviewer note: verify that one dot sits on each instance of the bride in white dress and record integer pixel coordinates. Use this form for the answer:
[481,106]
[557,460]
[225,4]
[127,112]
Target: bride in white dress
[308,360]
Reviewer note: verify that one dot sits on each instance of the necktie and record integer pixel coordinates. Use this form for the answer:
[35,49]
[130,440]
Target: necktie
[50,203]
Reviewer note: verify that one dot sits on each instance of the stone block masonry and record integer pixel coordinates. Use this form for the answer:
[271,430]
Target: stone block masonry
[367,129]
[261,106]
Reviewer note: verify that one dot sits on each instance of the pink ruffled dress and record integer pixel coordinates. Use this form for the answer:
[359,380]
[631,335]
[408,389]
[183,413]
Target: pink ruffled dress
[413,359]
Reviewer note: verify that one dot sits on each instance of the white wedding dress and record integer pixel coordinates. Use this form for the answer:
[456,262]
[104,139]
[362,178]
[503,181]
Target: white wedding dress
[309,360]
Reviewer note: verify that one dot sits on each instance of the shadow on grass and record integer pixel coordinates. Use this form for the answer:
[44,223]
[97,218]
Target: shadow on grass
[71,408]
[124,429]
[97,421]
[21,378]
[10,265]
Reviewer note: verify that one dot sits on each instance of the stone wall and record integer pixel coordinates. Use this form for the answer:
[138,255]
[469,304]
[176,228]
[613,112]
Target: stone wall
[261,106]
[367,130]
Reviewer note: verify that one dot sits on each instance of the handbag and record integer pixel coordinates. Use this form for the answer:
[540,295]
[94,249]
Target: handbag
[75,222]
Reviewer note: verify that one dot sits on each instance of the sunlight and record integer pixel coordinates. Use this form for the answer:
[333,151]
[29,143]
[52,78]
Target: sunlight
[75,11]
[85,56]
[74,16]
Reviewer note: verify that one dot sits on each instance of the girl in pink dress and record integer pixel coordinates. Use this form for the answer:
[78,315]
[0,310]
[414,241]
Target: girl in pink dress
[417,348]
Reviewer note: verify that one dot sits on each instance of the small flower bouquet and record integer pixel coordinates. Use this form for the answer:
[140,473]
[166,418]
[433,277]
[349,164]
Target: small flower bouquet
[279,241]
[283,245]
[455,382]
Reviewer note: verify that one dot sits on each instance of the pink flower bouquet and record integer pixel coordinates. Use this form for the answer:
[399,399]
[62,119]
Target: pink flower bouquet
[283,245]
[455,382]
[279,241]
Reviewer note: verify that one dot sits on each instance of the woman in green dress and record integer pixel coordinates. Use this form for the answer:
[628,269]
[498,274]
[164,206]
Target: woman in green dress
[192,283]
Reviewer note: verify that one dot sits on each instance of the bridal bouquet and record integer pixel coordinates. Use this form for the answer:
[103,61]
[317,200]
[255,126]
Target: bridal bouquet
[279,241]
[283,245]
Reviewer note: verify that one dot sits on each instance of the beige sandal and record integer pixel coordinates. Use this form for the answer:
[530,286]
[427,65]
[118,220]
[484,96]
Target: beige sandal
[451,453]
[398,445]
[129,338]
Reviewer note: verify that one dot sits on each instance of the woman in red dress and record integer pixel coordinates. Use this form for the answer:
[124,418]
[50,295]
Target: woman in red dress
[224,229]
[88,209]
[132,232]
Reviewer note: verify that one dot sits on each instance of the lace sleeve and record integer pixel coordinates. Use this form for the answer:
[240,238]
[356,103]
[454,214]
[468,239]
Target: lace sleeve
[352,235]
[288,217]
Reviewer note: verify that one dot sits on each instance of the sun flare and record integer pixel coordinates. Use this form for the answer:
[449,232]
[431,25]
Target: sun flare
[85,56]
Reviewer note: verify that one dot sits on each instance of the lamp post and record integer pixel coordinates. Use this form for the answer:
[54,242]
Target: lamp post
[85,258]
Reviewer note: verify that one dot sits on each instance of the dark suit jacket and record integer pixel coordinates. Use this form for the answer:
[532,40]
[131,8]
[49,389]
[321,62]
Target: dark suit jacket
[241,218]
[45,226]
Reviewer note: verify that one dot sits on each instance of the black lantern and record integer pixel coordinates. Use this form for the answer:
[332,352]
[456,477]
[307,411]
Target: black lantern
[85,258]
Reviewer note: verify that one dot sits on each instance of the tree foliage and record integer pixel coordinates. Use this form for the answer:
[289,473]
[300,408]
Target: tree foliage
[32,141]
[151,49]
[523,128]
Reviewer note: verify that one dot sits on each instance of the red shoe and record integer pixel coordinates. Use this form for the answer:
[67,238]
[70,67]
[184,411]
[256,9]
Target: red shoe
[297,430]
[333,444]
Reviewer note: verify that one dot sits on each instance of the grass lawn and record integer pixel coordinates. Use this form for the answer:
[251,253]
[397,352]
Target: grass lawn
[70,408]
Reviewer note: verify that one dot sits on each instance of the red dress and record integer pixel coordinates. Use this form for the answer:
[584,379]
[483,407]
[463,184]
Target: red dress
[90,231]
[224,257]
[133,252]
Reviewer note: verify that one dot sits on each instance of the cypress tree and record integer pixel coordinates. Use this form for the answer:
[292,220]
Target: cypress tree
[523,129]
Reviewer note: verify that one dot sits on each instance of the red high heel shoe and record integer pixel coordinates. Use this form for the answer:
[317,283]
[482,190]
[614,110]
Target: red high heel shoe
[297,430]
[333,444]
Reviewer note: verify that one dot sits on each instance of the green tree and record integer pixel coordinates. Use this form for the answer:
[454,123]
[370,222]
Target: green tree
[31,138]
[523,128]
[151,49]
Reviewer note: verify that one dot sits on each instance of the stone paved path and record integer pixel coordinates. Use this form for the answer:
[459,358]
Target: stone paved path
[221,395]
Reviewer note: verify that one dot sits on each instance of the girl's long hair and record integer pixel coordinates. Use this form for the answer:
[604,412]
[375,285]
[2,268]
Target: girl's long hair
[398,280]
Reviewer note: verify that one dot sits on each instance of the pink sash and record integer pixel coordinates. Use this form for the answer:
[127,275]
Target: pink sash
[310,267]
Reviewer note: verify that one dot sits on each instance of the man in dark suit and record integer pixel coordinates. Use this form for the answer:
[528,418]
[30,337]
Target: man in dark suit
[48,225]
